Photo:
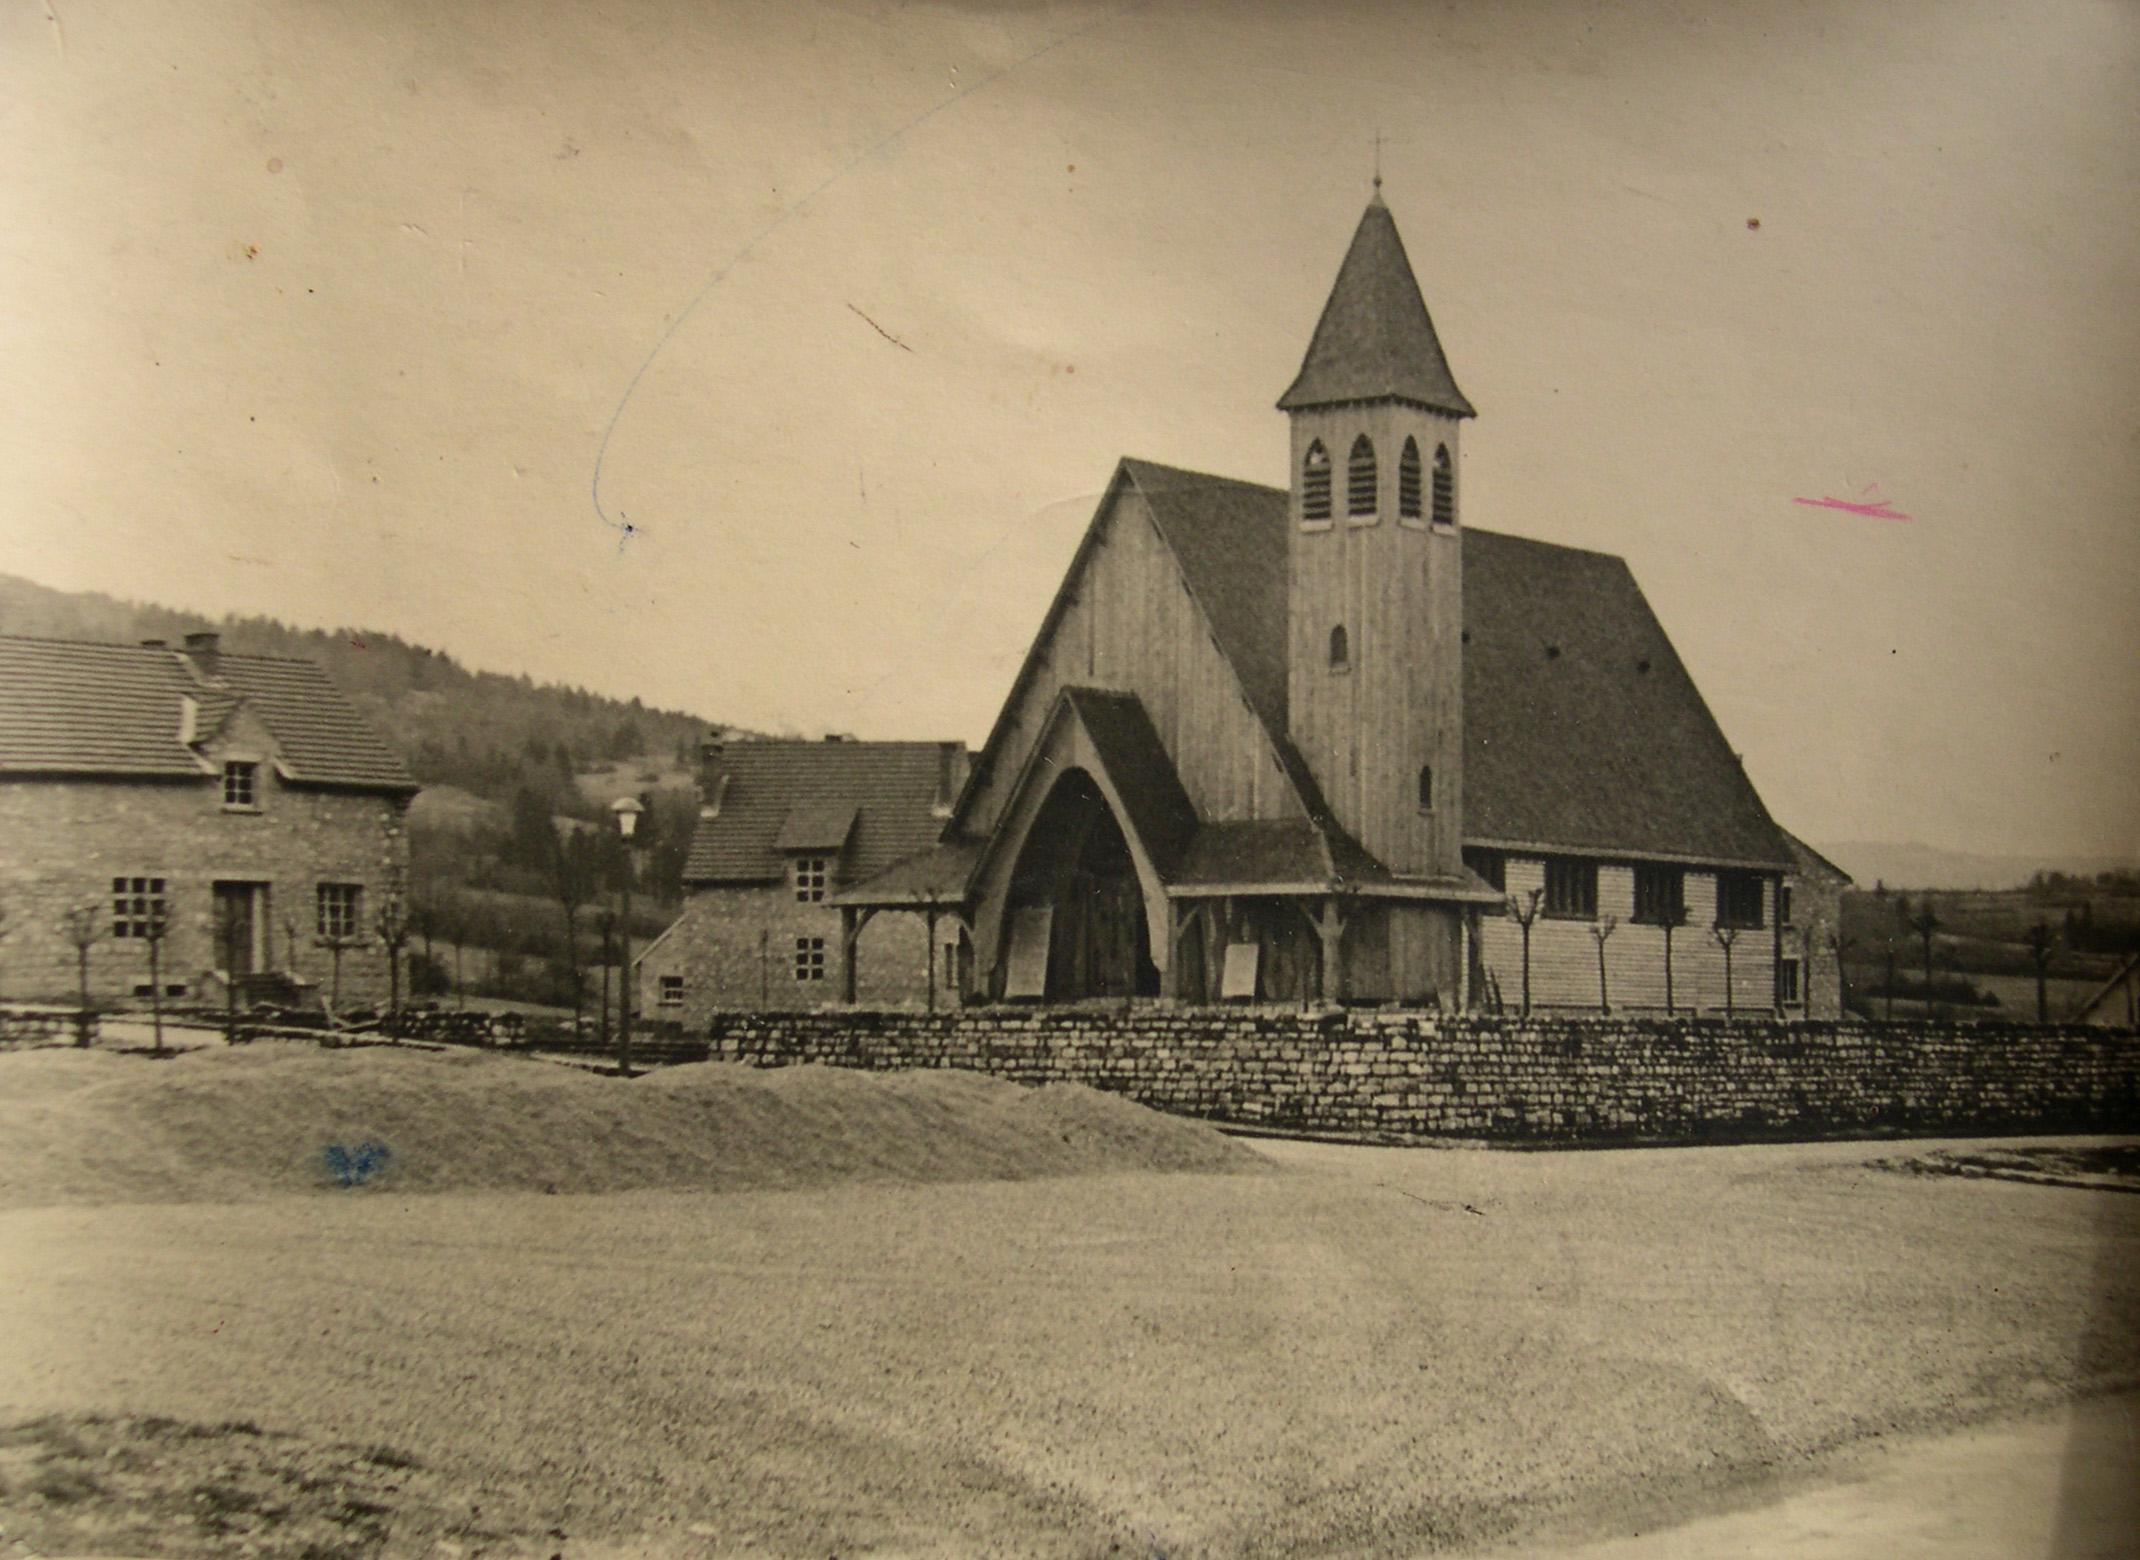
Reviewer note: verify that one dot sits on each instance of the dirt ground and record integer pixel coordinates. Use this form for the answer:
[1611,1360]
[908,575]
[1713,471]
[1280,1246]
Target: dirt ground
[1376,1352]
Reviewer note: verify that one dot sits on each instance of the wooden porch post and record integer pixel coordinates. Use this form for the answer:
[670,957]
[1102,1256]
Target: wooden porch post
[852,920]
[1170,977]
[930,917]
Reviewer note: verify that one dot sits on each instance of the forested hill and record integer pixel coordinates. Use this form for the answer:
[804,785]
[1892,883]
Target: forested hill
[485,732]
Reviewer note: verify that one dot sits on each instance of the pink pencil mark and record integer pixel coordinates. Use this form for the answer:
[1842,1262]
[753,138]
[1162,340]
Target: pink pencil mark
[1882,510]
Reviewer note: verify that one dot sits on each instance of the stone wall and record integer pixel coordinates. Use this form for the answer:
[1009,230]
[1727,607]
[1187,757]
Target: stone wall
[1404,1076]
[64,841]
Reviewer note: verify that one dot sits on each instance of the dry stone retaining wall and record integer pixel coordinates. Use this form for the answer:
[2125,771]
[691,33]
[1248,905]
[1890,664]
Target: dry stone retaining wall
[1404,1076]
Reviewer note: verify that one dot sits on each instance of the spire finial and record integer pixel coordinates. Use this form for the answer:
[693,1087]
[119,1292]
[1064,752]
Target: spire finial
[1378,159]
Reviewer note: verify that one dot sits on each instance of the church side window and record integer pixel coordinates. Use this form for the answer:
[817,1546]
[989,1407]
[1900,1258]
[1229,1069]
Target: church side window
[1408,474]
[1315,483]
[1571,888]
[1360,477]
[1340,650]
[1444,487]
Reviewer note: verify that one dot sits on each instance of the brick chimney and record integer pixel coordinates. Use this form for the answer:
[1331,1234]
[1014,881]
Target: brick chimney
[712,773]
[203,650]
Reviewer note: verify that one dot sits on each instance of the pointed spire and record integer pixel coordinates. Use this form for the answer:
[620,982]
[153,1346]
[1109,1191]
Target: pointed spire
[1375,341]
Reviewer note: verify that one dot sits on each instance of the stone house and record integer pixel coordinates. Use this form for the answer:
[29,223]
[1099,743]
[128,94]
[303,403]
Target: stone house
[1336,742]
[783,827]
[241,799]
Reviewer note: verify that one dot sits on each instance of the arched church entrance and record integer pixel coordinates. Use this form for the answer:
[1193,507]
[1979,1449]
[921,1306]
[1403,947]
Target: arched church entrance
[1076,866]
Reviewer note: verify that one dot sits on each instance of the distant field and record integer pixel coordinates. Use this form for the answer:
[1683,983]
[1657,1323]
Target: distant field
[1380,1352]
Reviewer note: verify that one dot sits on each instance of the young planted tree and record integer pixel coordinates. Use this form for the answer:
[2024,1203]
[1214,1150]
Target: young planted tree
[1525,911]
[1601,929]
[84,925]
[1726,936]
[1674,917]
[1924,923]
[336,943]
[153,931]
[2042,940]
[391,922]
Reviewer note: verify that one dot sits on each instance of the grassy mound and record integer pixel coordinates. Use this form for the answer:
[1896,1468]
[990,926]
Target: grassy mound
[276,1119]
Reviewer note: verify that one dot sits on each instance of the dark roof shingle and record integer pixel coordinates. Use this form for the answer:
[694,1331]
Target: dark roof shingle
[73,707]
[889,789]
[1375,340]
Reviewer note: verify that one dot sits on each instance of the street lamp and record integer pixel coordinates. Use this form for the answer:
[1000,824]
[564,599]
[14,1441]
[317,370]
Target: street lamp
[627,809]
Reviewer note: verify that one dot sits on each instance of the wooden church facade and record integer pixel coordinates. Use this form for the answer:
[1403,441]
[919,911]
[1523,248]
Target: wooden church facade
[1315,743]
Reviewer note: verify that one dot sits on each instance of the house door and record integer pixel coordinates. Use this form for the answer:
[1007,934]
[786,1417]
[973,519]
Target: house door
[240,923]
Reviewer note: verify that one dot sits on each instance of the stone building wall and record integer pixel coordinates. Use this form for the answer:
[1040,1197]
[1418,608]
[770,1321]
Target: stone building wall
[1403,1076]
[62,843]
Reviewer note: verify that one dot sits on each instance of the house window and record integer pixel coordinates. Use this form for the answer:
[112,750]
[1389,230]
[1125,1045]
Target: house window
[1444,487]
[1490,865]
[1408,481]
[1360,477]
[238,777]
[672,991]
[1571,888]
[1787,981]
[809,958]
[1340,650]
[1426,787]
[1783,904]
[1315,483]
[136,906]
[339,908]
[1660,895]
[1738,899]
[809,879]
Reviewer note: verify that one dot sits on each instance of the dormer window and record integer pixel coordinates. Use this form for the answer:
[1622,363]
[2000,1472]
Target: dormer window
[240,785]
[1315,484]
[1444,487]
[809,879]
[1408,482]
[1340,650]
[1360,477]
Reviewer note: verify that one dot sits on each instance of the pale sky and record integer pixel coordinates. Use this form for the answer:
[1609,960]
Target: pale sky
[324,310]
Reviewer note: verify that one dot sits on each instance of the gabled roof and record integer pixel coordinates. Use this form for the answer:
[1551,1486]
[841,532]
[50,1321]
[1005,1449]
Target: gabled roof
[888,789]
[1812,865]
[69,707]
[1375,340]
[1569,742]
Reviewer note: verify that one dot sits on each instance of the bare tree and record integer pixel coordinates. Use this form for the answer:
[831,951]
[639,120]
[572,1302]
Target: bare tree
[2042,940]
[84,925]
[1675,916]
[391,922]
[1601,929]
[153,931]
[1525,911]
[336,943]
[1725,936]
[1924,923]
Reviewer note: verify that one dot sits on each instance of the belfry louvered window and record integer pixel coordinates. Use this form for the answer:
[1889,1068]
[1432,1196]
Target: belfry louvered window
[1360,477]
[1340,650]
[1444,487]
[1315,483]
[1408,481]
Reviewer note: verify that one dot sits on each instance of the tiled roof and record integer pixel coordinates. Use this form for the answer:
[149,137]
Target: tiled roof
[940,875]
[1375,339]
[1136,761]
[69,707]
[1275,850]
[816,826]
[889,787]
[1568,741]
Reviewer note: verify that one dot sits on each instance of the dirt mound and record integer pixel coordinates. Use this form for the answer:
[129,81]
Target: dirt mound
[273,1119]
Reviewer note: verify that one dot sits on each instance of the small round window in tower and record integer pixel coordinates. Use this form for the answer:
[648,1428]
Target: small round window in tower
[1444,487]
[1340,650]
[1426,787]
[1408,481]
[1315,483]
[1360,477]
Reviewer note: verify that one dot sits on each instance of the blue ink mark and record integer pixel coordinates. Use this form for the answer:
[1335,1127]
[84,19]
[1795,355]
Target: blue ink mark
[351,1167]
[627,528]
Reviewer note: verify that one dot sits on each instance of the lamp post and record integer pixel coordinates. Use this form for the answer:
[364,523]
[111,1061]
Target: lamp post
[627,810]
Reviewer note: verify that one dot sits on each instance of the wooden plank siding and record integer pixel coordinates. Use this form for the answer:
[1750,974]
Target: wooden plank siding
[1564,954]
[1129,624]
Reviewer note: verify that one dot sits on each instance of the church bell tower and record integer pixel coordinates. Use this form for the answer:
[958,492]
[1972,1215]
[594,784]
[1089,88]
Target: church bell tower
[1375,583]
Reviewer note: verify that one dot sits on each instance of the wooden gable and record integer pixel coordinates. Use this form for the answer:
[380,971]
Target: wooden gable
[1125,620]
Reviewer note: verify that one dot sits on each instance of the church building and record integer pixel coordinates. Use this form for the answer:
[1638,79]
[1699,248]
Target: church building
[1333,742]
